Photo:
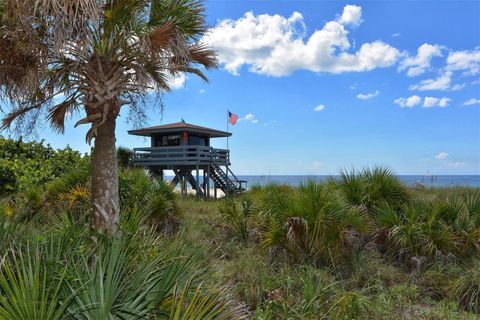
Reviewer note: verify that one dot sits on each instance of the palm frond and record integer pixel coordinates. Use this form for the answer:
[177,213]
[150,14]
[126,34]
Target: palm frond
[161,36]
[28,290]
[203,304]
[201,54]
[187,15]
[58,113]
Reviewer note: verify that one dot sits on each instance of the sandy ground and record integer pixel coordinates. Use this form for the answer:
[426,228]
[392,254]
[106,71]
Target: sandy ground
[190,191]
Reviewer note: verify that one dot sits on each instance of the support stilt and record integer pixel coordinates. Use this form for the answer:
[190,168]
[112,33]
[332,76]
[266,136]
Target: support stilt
[204,184]
[208,183]
[197,182]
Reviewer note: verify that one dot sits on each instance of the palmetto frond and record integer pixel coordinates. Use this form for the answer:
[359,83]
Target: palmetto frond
[372,187]
[30,290]
[209,305]
[98,55]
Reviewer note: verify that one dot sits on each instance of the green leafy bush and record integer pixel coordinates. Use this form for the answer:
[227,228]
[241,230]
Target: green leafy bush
[466,289]
[237,215]
[372,187]
[125,157]
[434,228]
[148,199]
[64,275]
[312,222]
[32,163]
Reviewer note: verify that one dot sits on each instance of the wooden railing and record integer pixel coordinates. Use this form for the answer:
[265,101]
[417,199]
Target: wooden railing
[241,184]
[182,155]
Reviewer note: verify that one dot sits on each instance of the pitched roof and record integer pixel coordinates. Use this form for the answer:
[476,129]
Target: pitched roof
[182,127]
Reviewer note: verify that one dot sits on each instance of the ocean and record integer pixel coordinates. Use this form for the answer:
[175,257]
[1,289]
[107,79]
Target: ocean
[410,180]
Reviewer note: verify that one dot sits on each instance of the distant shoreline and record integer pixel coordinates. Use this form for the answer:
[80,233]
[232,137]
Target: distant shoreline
[409,180]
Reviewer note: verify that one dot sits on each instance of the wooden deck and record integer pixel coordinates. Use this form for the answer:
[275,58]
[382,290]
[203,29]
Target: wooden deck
[180,156]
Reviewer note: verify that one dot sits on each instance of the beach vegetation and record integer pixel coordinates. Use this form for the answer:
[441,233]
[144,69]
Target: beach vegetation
[313,251]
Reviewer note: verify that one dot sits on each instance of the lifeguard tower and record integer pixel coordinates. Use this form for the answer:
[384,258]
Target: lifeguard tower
[183,148]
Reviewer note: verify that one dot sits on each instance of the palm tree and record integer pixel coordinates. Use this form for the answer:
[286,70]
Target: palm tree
[92,57]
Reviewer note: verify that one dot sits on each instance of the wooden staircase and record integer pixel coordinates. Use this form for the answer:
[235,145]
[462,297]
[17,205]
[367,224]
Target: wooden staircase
[230,185]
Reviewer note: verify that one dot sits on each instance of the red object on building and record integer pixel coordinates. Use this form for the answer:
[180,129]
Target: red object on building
[185,136]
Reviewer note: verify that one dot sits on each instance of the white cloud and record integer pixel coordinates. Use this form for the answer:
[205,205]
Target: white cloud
[471,102]
[458,87]
[440,83]
[319,108]
[277,46]
[202,91]
[443,102]
[250,117]
[365,96]
[430,102]
[351,15]
[177,82]
[396,35]
[442,156]
[467,61]
[409,102]
[421,62]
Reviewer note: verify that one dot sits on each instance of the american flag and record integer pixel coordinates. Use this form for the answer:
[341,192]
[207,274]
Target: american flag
[232,118]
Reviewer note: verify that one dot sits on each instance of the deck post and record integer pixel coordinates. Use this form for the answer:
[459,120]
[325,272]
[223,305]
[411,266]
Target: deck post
[198,182]
[175,180]
[214,190]
[184,183]
[204,185]
[208,183]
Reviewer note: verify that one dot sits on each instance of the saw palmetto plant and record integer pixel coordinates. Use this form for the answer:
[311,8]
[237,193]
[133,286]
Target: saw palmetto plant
[58,275]
[372,187]
[89,57]
[313,223]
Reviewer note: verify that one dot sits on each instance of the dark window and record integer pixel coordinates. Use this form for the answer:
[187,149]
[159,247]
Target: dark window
[172,140]
[195,140]
[167,141]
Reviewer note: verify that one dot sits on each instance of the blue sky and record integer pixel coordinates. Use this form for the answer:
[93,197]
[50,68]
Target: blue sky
[325,85]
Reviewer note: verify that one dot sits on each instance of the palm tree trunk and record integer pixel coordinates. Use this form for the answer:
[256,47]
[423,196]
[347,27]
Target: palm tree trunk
[105,199]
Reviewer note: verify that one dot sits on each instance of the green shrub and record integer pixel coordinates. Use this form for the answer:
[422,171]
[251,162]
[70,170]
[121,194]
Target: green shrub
[349,305]
[319,287]
[144,197]
[8,227]
[311,223]
[439,227]
[367,270]
[372,188]
[29,290]
[237,215]
[125,157]
[466,289]
[30,202]
[77,177]
[62,274]
[205,305]
[31,163]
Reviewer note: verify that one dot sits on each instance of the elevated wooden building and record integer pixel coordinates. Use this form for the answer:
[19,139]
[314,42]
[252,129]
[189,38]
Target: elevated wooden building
[185,149]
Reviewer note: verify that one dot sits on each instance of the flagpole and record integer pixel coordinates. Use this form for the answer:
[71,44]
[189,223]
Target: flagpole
[227,127]
[228,151]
